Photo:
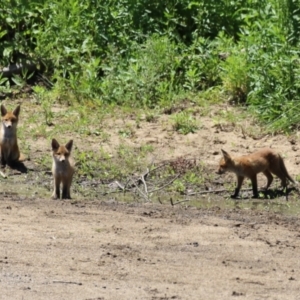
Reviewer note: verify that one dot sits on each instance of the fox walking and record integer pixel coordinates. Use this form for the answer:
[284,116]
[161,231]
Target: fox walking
[62,169]
[264,161]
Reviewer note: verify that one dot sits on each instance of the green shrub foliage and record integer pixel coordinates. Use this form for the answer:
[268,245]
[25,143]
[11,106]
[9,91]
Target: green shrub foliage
[146,53]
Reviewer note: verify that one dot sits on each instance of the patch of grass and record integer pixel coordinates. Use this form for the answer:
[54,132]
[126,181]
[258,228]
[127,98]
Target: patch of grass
[145,149]
[131,159]
[127,131]
[152,116]
[45,101]
[87,163]
[44,161]
[184,123]
[179,186]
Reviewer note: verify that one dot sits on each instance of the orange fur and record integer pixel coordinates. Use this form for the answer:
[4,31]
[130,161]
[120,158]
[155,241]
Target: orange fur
[10,152]
[264,161]
[62,169]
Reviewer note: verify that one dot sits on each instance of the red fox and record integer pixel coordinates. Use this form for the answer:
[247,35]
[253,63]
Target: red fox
[265,160]
[62,169]
[10,152]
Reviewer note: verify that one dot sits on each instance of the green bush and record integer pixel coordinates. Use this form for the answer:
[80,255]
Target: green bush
[147,78]
[146,53]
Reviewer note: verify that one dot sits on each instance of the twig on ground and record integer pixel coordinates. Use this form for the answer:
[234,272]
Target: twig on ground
[3,174]
[143,179]
[213,192]
[66,282]
[120,185]
[140,191]
[158,189]
[172,203]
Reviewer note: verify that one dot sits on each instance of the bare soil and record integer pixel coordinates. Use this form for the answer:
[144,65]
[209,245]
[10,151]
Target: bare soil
[100,248]
[107,250]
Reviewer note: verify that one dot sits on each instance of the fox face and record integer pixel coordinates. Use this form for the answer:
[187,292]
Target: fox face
[9,119]
[225,163]
[61,153]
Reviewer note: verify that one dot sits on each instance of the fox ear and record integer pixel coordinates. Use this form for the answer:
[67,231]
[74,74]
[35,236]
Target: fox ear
[3,110]
[226,155]
[55,144]
[16,112]
[69,145]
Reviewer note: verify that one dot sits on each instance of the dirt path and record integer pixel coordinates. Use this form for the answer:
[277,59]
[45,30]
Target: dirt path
[58,250]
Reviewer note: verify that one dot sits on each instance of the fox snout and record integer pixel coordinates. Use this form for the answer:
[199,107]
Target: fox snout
[62,159]
[8,124]
[220,171]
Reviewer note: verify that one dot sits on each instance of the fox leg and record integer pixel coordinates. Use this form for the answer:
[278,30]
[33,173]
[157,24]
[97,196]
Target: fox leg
[3,162]
[254,186]
[269,176]
[284,185]
[56,192]
[283,182]
[240,180]
[66,190]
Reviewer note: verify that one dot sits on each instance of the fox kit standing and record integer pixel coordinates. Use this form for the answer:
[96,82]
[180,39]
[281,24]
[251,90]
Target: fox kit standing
[265,160]
[8,136]
[62,169]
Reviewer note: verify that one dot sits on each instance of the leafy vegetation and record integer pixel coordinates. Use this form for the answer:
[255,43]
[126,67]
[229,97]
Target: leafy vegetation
[148,54]
[184,123]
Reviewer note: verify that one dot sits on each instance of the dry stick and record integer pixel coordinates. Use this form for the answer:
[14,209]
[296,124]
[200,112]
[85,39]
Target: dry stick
[3,174]
[145,196]
[172,203]
[155,190]
[144,182]
[160,166]
[120,185]
[214,191]
[67,282]
[141,178]
[125,186]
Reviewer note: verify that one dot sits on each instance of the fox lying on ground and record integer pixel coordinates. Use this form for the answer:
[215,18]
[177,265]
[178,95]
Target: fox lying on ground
[265,160]
[10,152]
[62,169]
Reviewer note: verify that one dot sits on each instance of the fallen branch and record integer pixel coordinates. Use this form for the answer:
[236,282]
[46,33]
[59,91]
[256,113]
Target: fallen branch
[172,203]
[67,282]
[158,189]
[3,174]
[214,192]
[143,178]
[144,196]
[139,180]
[120,185]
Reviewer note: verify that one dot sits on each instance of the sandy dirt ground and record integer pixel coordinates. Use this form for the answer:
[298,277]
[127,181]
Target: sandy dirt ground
[108,250]
[103,249]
